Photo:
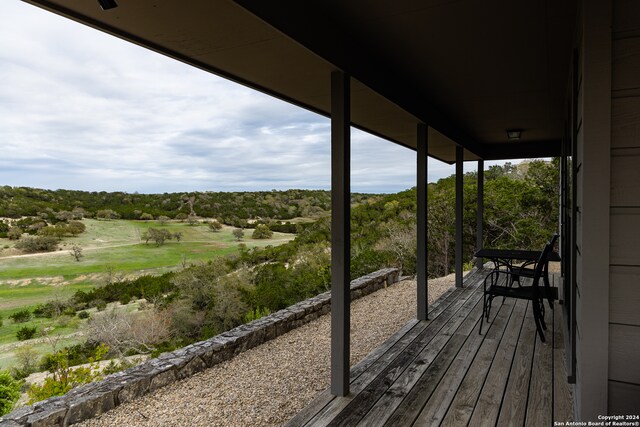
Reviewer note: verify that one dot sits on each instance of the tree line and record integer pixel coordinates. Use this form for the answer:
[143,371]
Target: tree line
[205,299]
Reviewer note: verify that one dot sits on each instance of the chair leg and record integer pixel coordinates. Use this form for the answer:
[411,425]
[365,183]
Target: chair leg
[482,317]
[538,320]
[541,311]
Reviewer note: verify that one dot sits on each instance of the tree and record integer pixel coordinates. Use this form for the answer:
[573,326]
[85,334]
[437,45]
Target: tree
[238,233]
[32,244]
[125,331]
[214,225]
[262,231]
[181,216]
[76,252]
[107,214]
[64,216]
[178,236]
[27,359]
[163,219]
[146,217]
[14,233]
[192,220]
[157,235]
[76,227]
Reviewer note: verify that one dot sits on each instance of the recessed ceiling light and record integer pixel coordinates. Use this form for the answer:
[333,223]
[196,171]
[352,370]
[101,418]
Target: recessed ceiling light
[514,134]
[107,4]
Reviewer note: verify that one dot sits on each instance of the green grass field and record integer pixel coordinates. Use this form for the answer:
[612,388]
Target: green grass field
[28,280]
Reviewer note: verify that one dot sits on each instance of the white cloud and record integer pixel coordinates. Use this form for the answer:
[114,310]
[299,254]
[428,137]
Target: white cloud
[84,110]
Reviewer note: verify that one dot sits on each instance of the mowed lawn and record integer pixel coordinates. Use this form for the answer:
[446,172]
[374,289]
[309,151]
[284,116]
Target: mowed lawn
[110,246]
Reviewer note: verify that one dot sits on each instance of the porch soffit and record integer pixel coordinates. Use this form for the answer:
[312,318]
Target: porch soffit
[469,68]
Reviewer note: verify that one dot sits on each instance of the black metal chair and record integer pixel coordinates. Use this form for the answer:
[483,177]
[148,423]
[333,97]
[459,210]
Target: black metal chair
[499,283]
[528,270]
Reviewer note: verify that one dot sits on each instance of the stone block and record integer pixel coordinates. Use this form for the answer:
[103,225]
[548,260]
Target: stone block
[196,364]
[88,406]
[162,378]
[133,387]
[19,416]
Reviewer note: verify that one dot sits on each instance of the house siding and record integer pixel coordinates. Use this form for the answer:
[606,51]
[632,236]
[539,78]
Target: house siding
[624,269]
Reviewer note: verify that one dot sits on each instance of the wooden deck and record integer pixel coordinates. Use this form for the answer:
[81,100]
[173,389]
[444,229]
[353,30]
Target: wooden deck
[442,372]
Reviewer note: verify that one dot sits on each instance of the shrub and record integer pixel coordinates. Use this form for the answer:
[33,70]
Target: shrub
[262,231]
[38,243]
[14,233]
[76,227]
[64,378]
[25,333]
[21,316]
[9,392]
[214,225]
[238,233]
[27,359]
[83,314]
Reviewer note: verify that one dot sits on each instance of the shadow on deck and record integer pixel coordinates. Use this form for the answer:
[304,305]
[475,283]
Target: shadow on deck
[442,372]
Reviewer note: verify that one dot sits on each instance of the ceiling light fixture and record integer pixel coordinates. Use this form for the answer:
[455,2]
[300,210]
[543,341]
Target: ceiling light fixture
[514,134]
[107,4]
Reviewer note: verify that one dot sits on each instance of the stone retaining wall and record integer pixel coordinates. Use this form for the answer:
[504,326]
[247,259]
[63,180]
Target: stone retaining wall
[93,399]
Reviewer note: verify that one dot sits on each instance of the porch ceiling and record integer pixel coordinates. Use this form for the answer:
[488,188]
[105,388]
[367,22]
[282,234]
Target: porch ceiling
[470,69]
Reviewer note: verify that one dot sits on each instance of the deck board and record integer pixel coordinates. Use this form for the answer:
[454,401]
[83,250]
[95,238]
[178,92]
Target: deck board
[394,361]
[514,404]
[443,372]
[487,408]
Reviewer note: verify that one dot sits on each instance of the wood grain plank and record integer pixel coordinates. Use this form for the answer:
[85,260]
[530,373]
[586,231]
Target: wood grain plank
[562,400]
[468,393]
[415,375]
[392,362]
[413,328]
[437,405]
[420,354]
[539,406]
[487,409]
[325,397]
[514,404]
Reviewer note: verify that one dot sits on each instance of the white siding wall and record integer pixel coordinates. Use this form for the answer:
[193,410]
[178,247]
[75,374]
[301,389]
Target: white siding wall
[624,294]
[593,140]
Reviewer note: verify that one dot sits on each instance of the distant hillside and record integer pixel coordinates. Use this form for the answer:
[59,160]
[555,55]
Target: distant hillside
[16,202]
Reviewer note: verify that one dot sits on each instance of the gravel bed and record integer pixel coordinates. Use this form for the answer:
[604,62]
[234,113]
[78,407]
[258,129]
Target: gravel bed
[268,384]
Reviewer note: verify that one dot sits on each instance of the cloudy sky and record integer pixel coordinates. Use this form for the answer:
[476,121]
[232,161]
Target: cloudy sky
[83,110]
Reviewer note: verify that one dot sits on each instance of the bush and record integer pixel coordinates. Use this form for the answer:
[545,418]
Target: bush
[27,359]
[83,314]
[26,333]
[9,392]
[238,233]
[262,231]
[214,225]
[64,378]
[38,243]
[21,316]
[14,233]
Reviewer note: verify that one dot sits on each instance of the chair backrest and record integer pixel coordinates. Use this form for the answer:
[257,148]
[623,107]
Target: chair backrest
[542,261]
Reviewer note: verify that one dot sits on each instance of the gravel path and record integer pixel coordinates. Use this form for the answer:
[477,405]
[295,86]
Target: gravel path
[268,384]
